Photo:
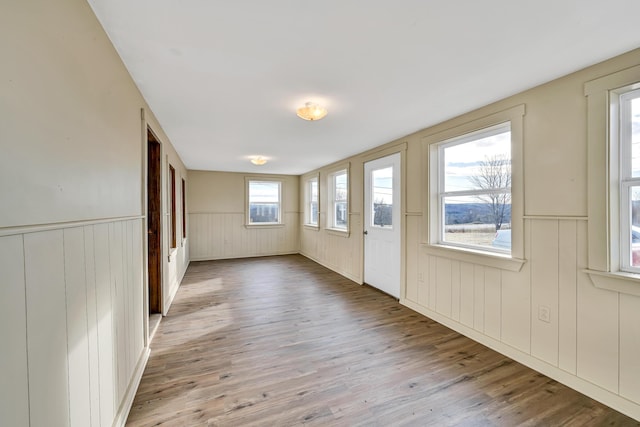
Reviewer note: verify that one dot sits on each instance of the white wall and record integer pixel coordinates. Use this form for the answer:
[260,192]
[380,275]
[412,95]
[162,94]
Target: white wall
[217,218]
[72,226]
[592,340]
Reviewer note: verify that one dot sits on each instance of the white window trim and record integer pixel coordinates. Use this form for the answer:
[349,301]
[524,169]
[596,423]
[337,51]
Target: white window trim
[625,174]
[437,175]
[248,223]
[306,198]
[604,267]
[430,230]
[330,196]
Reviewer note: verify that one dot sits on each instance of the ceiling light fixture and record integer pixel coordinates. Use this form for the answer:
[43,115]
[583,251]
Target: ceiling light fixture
[259,161]
[311,111]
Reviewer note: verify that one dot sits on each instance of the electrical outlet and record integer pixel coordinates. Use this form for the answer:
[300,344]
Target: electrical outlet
[544,313]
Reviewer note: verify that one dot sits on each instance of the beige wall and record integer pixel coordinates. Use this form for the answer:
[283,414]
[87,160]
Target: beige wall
[217,219]
[592,341]
[72,227]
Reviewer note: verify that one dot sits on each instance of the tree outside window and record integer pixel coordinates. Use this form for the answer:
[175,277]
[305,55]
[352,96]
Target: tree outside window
[475,189]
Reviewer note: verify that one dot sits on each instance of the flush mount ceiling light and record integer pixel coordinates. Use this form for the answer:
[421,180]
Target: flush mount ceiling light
[259,161]
[311,111]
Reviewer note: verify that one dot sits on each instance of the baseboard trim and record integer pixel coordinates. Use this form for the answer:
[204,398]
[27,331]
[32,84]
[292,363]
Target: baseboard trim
[191,259]
[127,402]
[585,387]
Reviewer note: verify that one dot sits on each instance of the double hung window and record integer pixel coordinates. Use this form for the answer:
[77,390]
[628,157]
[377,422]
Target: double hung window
[474,190]
[311,212]
[338,216]
[626,106]
[264,202]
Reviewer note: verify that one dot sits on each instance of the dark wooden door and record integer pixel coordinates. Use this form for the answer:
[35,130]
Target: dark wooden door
[154,219]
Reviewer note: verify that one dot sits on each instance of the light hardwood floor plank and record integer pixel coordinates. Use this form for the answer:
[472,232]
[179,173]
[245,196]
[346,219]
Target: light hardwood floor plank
[283,341]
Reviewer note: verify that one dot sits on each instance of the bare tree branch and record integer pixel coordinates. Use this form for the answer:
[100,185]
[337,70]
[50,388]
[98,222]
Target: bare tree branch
[494,175]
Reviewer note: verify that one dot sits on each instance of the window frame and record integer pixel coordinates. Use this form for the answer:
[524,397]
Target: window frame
[331,200]
[248,223]
[430,240]
[442,193]
[620,104]
[307,210]
[603,227]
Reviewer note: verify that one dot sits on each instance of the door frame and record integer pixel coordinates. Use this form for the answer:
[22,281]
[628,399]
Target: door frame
[154,289]
[146,129]
[402,149]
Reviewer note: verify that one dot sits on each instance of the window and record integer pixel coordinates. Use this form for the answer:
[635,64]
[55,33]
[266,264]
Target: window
[264,202]
[614,179]
[382,197]
[474,190]
[474,202]
[627,137]
[172,190]
[311,202]
[338,215]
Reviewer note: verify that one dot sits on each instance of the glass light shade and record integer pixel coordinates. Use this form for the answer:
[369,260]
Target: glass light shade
[311,111]
[259,161]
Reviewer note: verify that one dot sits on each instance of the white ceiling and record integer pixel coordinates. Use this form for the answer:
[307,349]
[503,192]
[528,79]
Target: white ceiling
[224,77]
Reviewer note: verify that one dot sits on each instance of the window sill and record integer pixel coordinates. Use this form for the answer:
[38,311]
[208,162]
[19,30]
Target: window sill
[626,283]
[311,227]
[503,262]
[267,225]
[338,232]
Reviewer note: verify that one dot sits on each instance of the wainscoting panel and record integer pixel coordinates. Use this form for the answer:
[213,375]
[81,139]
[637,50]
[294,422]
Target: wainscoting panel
[77,327]
[444,286]
[466,294]
[478,297]
[71,313]
[341,252]
[492,302]
[106,338]
[630,347]
[568,268]
[544,290]
[92,324]
[547,315]
[224,235]
[597,337]
[46,328]
[14,391]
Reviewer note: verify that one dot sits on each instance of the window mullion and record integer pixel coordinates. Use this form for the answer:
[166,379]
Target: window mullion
[476,192]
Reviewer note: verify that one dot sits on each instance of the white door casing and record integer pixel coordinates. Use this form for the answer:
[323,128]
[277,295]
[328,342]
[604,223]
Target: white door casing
[382,224]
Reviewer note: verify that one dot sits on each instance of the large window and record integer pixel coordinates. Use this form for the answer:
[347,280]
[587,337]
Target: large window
[474,190]
[264,202]
[338,215]
[627,135]
[311,202]
[614,180]
[474,200]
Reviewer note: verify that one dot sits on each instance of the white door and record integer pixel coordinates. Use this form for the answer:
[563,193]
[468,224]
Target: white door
[382,221]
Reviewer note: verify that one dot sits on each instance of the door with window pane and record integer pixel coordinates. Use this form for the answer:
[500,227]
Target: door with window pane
[382,224]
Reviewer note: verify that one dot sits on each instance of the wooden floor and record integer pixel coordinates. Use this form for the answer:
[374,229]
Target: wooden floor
[282,341]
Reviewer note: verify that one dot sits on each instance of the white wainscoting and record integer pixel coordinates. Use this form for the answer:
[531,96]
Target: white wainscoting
[591,340]
[71,324]
[224,235]
[340,252]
